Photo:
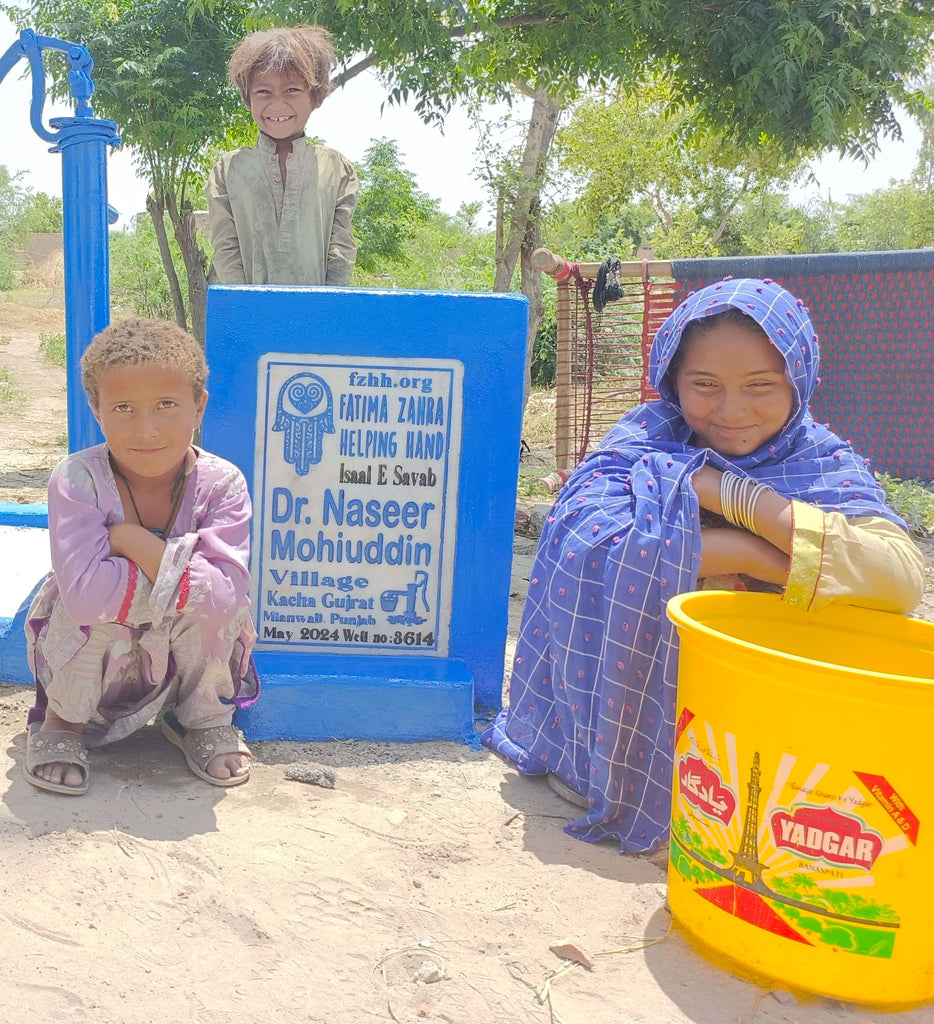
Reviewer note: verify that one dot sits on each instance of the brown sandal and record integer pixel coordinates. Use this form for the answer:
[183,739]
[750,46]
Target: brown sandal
[201,746]
[58,746]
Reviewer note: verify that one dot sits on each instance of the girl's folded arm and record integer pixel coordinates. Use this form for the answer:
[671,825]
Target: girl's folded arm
[217,574]
[92,582]
[871,562]
[865,560]
[728,551]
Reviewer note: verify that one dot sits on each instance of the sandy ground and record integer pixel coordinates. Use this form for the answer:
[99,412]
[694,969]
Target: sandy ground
[33,415]
[429,884]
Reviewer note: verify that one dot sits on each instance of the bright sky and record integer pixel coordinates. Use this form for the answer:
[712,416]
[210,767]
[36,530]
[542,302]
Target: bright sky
[443,163]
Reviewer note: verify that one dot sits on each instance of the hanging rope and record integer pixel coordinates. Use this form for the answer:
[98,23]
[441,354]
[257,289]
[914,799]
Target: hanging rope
[584,287]
[602,359]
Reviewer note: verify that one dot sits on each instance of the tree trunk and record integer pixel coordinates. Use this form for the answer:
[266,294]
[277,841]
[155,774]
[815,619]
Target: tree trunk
[183,223]
[525,227]
[725,219]
[499,238]
[156,207]
[531,284]
[541,133]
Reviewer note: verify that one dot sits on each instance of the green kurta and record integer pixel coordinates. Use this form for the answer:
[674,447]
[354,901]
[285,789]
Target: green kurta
[266,234]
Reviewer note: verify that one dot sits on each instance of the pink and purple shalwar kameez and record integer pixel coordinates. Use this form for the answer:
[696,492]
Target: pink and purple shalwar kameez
[111,649]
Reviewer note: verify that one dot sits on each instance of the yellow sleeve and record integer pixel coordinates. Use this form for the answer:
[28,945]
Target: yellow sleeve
[866,561]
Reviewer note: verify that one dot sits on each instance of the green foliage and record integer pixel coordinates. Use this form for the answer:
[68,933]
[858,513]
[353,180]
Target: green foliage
[899,217]
[390,207]
[923,175]
[528,485]
[822,73]
[544,351]
[577,235]
[443,252]
[636,153]
[22,211]
[42,213]
[158,73]
[137,277]
[912,500]
[9,395]
[7,272]
[651,178]
[52,347]
[768,224]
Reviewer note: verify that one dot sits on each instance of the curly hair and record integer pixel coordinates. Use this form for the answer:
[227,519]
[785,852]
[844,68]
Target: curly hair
[305,51]
[137,341]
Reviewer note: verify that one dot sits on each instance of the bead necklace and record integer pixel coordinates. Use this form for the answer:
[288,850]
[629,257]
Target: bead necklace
[177,488]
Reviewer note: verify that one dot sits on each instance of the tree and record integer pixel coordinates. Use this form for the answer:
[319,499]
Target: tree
[525,223]
[443,252]
[21,212]
[517,181]
[643,148]
[898,217]
[390,208]
[923,175]
[825,73]
[137,275]
[159,73]
[768,224]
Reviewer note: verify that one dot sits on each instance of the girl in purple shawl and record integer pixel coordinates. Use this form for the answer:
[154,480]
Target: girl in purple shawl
[146,608]
[726,480]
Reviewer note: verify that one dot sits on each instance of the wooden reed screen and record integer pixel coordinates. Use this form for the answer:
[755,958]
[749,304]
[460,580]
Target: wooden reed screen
[602,358]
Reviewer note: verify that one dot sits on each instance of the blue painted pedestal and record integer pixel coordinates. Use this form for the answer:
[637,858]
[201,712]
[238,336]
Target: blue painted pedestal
[379,432]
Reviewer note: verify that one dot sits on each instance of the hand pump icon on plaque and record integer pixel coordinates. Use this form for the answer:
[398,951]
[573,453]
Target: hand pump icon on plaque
[389,599]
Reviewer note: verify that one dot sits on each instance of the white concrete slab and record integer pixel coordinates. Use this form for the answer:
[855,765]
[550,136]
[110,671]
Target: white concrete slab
[24,560]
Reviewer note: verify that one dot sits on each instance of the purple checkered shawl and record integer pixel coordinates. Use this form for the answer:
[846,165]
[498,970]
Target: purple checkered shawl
[593,690]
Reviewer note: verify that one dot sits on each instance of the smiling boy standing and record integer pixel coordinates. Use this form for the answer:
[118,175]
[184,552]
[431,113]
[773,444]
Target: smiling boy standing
[280,212]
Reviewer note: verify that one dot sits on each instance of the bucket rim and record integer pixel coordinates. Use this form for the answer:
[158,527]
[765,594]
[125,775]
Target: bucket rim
[679,617]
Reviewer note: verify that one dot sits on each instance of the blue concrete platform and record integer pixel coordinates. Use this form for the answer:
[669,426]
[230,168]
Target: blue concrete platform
[13,665]
[24,555]
[420,699]
[35,514]
[379,432]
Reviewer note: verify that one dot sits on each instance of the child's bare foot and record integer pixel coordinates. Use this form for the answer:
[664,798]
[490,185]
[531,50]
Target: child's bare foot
[217,755]
[61,772]
[56,758]
[227,766]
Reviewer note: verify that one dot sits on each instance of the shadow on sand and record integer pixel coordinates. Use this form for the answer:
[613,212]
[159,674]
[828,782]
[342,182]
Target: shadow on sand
[140,787]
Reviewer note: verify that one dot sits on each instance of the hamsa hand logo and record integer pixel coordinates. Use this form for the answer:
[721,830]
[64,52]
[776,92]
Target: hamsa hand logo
[304,413]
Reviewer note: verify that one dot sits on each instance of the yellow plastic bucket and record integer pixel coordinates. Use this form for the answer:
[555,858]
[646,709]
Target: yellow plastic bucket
[802,836]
